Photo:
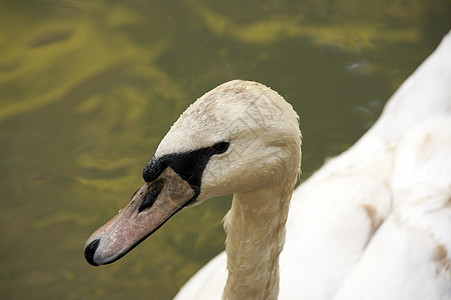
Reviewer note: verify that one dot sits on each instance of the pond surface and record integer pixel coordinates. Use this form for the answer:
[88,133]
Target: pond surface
[88,89]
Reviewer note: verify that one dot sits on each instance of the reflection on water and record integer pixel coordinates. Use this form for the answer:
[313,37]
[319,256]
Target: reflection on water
[89,88]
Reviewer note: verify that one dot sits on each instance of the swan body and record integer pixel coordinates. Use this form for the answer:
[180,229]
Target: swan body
[372,223]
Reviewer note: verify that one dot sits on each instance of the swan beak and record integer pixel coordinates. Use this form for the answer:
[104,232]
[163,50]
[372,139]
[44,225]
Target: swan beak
[150,207]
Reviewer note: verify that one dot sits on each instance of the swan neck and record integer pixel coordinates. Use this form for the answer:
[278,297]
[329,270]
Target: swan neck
[255,227]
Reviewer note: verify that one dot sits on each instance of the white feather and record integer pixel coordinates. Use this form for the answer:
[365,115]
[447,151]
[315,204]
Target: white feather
[374,222]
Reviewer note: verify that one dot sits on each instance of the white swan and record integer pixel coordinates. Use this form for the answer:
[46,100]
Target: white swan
[373,223]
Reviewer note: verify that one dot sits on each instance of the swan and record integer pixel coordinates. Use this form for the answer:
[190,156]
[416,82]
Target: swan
[372,223]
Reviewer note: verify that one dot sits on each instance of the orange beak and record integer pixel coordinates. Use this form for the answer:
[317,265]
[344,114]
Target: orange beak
[150,207]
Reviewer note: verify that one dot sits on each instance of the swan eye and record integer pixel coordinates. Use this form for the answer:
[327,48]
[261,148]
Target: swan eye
[221,147]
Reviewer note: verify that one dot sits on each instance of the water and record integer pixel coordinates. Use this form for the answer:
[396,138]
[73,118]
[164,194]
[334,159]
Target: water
[88,89]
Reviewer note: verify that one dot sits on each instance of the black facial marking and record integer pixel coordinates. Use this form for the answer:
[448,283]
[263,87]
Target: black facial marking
[151,195]
[188,165]
[153,169]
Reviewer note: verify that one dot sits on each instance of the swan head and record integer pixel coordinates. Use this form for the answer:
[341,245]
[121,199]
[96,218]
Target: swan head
[239,137]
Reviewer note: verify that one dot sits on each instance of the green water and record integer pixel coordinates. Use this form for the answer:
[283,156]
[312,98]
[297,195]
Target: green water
[88,88]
